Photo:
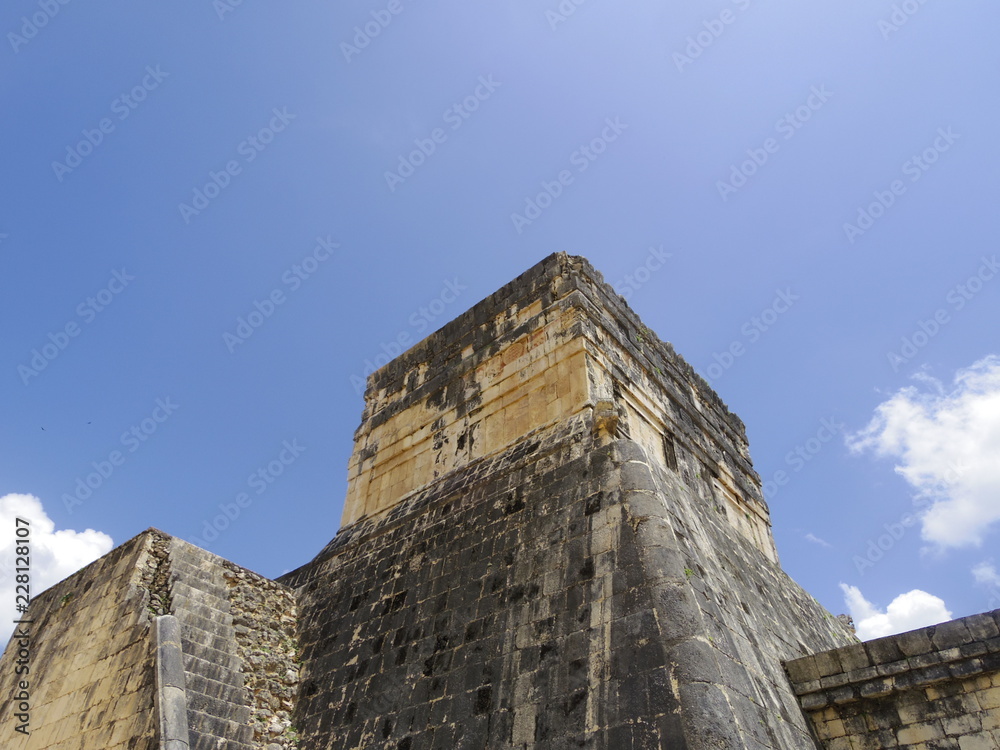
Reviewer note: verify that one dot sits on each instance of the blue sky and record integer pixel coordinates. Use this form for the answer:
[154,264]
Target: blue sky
[804,196]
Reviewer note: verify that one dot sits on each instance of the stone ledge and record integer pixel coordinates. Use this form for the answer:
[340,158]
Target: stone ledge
[958,649]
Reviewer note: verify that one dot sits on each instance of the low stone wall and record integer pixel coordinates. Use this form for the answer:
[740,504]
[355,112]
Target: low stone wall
[935,688]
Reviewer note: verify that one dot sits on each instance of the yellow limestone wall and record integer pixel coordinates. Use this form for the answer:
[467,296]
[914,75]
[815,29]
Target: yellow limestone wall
[536,380]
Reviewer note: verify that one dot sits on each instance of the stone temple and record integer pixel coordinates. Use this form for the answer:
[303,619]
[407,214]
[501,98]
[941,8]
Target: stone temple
[553,538]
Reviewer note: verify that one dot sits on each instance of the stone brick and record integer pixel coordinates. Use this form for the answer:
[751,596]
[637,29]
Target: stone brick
[989,700]
[924,732]
[803,670]
[980,741]
[828,663]
[949,635]
[962,725]
[914,643]
[982,627]
[853,658]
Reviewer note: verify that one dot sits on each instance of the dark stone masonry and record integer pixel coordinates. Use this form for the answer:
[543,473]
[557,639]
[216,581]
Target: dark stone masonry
[553,538]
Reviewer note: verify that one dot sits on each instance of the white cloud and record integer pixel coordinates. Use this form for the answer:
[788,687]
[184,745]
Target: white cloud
[909,611]
[54,554]
[986,574]
[946,445]
[988,577]
[817,540]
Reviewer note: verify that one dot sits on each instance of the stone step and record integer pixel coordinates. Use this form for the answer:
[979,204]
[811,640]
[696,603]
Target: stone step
[198,658]
[224,690]
[205,742]
[211,733]
[199,604]
[238,712]
[200,580]
[219,727]
[221,625]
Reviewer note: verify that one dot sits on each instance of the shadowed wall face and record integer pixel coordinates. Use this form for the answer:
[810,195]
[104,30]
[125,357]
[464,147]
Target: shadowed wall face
[560,592]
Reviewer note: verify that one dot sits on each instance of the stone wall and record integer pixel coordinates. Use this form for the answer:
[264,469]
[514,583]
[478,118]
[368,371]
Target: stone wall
[937,688]
[556,595]
[91,678]
[726,614]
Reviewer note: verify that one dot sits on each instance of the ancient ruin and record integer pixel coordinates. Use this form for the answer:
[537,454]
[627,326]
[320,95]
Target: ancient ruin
[553,537]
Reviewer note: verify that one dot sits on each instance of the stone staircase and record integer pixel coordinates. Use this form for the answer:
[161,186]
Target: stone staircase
[218,714]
